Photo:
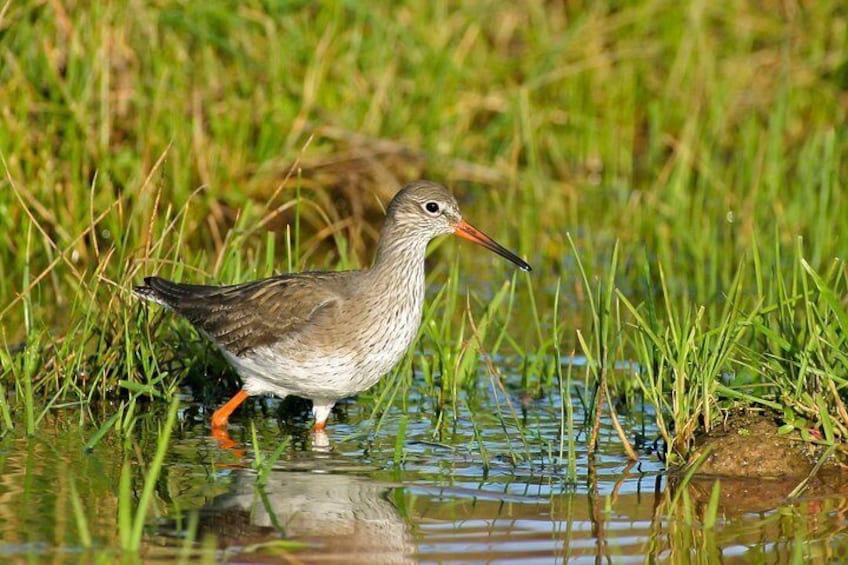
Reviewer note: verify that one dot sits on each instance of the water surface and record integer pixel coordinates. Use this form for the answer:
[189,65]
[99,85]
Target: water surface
[487,485]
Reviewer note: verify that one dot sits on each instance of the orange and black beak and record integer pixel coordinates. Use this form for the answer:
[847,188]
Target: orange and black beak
[467,231]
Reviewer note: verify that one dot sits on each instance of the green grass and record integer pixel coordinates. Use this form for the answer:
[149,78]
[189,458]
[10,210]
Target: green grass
[693,152]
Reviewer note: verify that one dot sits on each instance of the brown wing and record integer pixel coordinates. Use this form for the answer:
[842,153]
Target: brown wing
[245,316]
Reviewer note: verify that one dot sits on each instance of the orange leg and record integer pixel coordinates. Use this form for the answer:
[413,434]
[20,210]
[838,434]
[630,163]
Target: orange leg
[222,414]
[319,426]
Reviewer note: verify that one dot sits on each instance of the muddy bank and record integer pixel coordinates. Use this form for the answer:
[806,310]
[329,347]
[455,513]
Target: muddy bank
[760,468]
[747,444]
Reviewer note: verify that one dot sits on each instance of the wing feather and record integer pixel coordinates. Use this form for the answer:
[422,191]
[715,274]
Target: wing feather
[242,317]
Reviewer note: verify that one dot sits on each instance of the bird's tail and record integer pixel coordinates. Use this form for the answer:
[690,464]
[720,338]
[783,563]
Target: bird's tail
[161,291]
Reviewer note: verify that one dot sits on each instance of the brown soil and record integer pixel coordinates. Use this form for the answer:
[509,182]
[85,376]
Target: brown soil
[747,444]
[758,468]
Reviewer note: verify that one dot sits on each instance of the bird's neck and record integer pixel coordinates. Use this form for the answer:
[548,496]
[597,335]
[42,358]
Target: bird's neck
[399,247]
[399,261]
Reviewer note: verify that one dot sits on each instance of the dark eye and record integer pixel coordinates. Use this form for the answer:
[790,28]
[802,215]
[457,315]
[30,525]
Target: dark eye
[432,207]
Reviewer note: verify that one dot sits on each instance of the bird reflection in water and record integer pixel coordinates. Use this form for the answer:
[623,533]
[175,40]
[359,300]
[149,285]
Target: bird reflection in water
[339,516]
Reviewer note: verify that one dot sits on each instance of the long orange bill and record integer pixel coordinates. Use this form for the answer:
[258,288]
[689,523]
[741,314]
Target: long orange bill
[469,232]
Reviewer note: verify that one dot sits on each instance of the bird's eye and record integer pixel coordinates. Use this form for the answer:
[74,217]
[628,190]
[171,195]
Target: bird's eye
[432,207]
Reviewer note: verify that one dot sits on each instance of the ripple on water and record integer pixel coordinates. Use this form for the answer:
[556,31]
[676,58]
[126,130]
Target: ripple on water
[492,484]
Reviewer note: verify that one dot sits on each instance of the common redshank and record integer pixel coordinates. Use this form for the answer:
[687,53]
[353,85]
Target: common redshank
[325,336]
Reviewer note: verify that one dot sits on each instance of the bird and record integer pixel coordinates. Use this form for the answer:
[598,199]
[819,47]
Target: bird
[326,335]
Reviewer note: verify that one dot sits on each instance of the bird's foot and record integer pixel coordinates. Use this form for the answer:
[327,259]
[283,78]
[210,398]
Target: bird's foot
[225,442]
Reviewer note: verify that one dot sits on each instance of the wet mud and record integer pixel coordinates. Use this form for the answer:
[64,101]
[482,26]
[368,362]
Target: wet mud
[759,468]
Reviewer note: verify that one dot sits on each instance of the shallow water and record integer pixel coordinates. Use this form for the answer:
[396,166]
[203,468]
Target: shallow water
[469,491]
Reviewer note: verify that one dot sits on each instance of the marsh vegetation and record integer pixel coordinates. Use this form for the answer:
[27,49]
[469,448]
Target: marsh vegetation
[673,171]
